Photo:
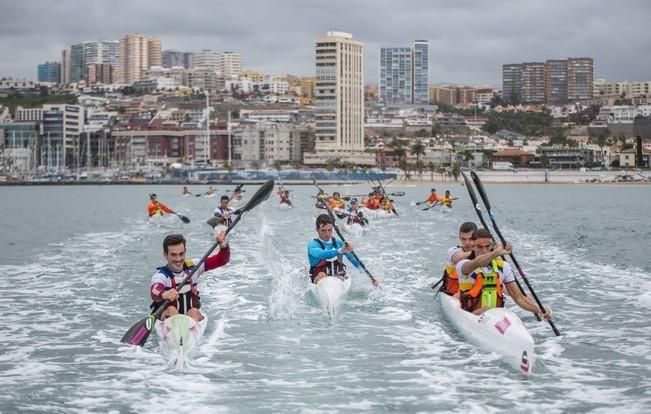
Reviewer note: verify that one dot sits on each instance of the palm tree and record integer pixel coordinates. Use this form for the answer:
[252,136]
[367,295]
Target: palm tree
[399,150]
[418,148]
[432,168]
[278,166]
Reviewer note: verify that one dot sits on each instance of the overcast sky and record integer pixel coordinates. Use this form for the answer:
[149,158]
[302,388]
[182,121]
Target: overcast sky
[469,39]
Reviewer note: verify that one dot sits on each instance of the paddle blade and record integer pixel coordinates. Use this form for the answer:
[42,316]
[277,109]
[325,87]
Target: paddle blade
[262,194]
[213,221]
[138,333]
[184,219]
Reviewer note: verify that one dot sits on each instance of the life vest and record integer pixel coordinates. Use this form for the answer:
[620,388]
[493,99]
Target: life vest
[153,209]
[432,198]
[331,267]
[356,216]
[485,291]
[446,201]
[226,215]
[188,297]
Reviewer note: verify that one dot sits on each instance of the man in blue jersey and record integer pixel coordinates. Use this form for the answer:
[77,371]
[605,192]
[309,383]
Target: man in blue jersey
[325,253]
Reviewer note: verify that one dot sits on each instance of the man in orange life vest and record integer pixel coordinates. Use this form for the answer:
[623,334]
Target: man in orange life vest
[455,254]
[482,279]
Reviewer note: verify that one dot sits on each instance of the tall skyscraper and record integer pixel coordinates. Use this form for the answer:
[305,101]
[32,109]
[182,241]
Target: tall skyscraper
[556,81]
[339,93]
[421,72]
[49,72]
[396,75]
[174,58]
[90,53]
[137,53]
[580,74]
[512,83]
[77,62]
[404,74]
[65,67]
[533,82]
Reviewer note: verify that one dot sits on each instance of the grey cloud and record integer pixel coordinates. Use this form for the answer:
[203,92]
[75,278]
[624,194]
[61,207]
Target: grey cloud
[469,40]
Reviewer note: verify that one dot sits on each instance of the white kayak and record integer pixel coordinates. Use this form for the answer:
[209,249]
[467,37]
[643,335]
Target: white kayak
[354,229]
[331,293]
[377,213]
[285,206]
[159,219]
[497,330]
[212,195]
[178,335]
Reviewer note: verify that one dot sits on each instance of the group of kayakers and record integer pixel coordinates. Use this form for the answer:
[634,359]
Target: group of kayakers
[476,272]
[433,199]
[478,276]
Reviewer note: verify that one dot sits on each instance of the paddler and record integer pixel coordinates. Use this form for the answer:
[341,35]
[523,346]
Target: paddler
[224,213]
[325,253]
[450,280]
[446,199]
[284,198]
[482,279]
[164,281]
[155,207]
[186,191]
[354,214]
[336,202]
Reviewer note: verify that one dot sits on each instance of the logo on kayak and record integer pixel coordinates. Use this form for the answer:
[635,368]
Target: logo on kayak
[149,322]
[524,364]
[503,325]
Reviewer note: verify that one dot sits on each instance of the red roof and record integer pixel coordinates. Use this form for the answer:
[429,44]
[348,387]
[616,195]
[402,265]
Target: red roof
[512,152]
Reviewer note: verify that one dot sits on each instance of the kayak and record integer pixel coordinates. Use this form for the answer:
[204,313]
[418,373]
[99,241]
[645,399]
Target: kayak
[286,206]
[159,219]
[210,195]
[497,330]
[331,293]
[178,335]
[354,229]
[378,213]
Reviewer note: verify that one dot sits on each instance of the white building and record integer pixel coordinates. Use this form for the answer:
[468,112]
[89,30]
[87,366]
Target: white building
[268,142]
[339,100]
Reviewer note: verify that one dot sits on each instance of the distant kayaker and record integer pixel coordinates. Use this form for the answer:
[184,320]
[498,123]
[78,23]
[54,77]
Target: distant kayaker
[482,279]
[450,280]
[446,199]
[325,253]
[210,191]
[155,207]
[186,191]
[336,202]
[164,281]
[225,213]
[355,215]
[284,197]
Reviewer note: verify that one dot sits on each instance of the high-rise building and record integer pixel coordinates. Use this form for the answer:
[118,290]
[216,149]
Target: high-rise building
[403,75]
[49,72]
[533,82]
[65,67]
[99,73]
[174,58]
[89,53]
[77,62]
[228,65]
[396,75]
[556,81]
[421,72]
[62,125]
[339,93]
[512,83]
[580,74]
[137,53]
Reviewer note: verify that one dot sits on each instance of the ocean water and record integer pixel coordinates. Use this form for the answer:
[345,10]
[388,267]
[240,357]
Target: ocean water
[77,261]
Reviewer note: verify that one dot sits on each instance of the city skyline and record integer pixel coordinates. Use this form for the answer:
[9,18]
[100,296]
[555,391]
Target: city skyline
[469,41]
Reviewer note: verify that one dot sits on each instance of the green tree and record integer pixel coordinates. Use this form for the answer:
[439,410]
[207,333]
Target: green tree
[456,171]
[332,163]
[278,165]
[432,168]
[418,149]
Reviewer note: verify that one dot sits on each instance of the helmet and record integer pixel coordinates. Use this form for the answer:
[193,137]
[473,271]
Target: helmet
[353,201]
[152,196]
[433,190]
